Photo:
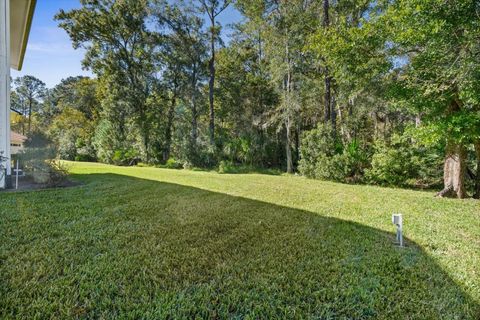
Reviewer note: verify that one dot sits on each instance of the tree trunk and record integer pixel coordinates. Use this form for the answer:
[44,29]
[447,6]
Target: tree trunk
[477,176]
[194,133]
[211,83]
[333,116]
[328,79]
[288,147]
[454,171]
[168,129]
[297,146]
[328,96]
[375,125]
[326,15]
[288,106]
[30,116]
[145,132]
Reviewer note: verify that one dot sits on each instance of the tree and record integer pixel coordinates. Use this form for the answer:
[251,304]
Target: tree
[29,92]
[120,47]
[77,92]
[284,30]
[442,75]
[213,8]
[183,55]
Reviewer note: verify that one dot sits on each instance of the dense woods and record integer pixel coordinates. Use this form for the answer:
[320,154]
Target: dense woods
[357,91]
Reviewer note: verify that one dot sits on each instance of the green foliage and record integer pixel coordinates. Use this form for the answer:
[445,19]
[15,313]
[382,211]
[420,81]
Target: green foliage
[226,166]
[173,164]
[323,158]
[371,69]
[405,163]
[107,140]
[128,156]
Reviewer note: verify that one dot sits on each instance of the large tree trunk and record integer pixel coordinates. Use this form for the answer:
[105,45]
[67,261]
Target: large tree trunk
[454,171]
[477,176]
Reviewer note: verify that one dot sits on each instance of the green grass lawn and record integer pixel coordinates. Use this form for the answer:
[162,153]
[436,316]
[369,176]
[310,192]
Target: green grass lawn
[148,243]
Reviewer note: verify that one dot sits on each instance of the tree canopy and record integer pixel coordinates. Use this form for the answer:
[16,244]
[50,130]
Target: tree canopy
[383,92]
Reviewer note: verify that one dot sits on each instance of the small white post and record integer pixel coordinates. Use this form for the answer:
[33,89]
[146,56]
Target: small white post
[397,220]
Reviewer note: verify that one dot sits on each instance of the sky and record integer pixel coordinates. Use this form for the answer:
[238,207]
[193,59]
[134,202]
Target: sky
[50,55]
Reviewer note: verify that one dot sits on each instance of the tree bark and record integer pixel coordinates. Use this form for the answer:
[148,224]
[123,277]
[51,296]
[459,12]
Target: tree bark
[30,115]
[333,115]
[454,171]
[328,79]
[297,146]
[477,176]
[168,129]
[326,15]
[288,147]
[328,96]
[288,102]
[194,133]
[211,83]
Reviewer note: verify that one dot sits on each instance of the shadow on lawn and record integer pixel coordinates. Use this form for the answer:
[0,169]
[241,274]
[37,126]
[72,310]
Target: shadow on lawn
[127,247]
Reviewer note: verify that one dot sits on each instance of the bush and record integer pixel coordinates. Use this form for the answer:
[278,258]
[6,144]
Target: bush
[123,157]
[50,172]
[324,158]
[173,164]
[226,167]
[39,161]
[404,163]
[231,167]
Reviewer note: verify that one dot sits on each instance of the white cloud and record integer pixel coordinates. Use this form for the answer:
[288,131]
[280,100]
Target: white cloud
[51,48]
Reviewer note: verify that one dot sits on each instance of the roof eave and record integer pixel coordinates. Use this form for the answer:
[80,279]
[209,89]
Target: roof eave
[18,63]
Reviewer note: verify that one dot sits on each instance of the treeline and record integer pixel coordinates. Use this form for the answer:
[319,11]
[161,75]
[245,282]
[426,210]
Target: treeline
[383,92]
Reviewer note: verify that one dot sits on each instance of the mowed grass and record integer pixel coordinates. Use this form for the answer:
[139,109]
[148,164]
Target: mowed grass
[148,243]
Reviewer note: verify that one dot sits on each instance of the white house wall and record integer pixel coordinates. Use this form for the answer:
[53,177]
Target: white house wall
[5,88]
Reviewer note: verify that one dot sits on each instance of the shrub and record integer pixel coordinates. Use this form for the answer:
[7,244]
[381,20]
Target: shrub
[231,167]
[39,161]
[226,167]
[324,158]
[404,163]
[125,157]
[173,164]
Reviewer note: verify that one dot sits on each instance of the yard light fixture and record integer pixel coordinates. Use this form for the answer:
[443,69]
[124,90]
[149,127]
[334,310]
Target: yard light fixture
[398,221]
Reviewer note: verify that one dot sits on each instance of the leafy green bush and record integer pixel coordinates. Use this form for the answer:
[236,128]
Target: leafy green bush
[125,156]
[173,164]
[324,158]
[226,167]
[231,167]
[404,163]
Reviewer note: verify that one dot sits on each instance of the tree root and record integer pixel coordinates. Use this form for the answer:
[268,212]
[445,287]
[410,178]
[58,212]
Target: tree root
[446,192]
